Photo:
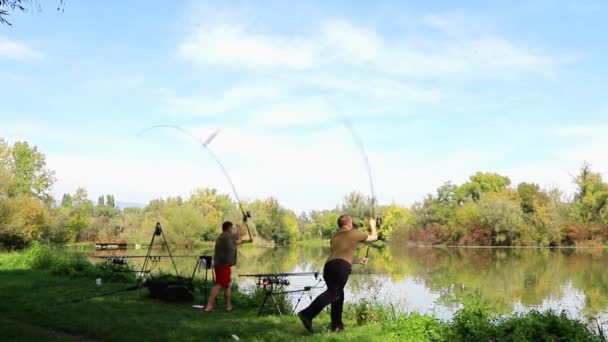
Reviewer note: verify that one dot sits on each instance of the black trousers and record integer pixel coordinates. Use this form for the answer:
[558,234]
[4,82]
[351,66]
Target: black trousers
[336,274]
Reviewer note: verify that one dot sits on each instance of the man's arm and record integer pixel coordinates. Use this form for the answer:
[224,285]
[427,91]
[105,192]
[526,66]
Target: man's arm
[373,235]
[243,232]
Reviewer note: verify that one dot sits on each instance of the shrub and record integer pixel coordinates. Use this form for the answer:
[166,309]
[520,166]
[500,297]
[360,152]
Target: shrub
[472,323]
[365,312]
[71,266]
[38,256]
[543,326]
[59,262]
[417,327]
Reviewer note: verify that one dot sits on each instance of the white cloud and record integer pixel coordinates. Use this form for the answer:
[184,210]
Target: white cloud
[340,44]
[304,171]
[350,43]
[129,179]
[582,131]
[307,111]
[11,49]
[233,98]
[231,45]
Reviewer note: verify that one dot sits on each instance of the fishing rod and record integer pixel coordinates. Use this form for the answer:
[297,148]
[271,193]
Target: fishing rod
[359,143]
[82,299]
[292,274]
[302,274]
[141,256]
[205,145]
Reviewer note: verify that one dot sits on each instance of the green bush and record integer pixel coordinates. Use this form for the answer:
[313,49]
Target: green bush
[38,256]
[365,312]
[71,266]
[60,262]
[543,326]
[114,273]
[472,323]
[417,327]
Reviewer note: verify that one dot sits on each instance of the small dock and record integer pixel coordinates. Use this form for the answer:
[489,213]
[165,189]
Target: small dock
[106,243]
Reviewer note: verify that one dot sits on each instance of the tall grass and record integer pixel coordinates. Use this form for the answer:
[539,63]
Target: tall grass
[473,322]
[61,262]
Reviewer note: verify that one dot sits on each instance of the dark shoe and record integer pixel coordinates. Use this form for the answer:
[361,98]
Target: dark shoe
[307,322]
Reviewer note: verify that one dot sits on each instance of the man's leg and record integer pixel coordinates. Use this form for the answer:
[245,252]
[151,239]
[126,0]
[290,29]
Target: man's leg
[228,298]
[328,296]
[337,306]
[336,312]
[211,301]
[324,299]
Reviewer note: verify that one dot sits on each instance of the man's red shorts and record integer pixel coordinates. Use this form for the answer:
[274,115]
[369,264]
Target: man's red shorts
[222,276]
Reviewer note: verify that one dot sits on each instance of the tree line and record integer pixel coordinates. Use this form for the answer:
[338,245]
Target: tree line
[486,210]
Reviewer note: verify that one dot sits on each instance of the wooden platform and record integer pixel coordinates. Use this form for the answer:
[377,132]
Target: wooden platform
[110,244]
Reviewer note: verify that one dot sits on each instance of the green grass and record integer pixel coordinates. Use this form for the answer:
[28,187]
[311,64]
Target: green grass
[36,305]
[37,299]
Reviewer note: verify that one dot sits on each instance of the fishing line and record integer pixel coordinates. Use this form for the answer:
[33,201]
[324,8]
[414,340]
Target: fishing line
[205,145]
[368,168]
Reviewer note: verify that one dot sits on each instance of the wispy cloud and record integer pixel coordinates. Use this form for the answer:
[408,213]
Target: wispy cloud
[581,131]
[234,98]
[15,50]
[231,45]
[341,42]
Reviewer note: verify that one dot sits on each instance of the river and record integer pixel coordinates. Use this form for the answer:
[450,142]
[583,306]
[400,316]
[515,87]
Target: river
[438,280]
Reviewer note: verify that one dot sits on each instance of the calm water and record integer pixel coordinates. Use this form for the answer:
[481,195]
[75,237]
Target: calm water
[439,280]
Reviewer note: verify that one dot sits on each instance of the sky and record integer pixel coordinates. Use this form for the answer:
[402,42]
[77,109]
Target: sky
[436,91]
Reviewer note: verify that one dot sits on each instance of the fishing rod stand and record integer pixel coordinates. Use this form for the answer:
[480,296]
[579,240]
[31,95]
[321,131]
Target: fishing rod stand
[204,262]
[273,286]
[154,260]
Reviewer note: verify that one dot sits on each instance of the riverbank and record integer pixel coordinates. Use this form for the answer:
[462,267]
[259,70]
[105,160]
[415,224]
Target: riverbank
[34,303]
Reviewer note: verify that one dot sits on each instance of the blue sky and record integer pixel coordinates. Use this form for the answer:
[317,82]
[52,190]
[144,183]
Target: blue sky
[437,91]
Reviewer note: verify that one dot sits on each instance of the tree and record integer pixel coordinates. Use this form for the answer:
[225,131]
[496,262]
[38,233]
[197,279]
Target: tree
[30,175]
[8,6]
[80,216]
[395,218]
[531,197]
[503,216]
[358,207]
[322,224]
[100,201]
[481,183]
[66,201]
[110,201]
[444,205]
[22,220]
[6,167]
[591,198]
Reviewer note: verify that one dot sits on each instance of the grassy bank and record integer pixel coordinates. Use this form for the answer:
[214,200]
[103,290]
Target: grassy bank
[34,302]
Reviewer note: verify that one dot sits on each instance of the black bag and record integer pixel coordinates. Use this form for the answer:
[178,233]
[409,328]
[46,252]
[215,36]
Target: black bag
[171,289]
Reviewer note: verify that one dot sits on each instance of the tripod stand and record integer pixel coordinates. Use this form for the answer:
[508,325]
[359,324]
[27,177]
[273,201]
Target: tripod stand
[204,261]
[272,286]
[146,267]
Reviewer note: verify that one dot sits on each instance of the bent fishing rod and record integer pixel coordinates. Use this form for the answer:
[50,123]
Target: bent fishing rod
[205,145]
[361,147]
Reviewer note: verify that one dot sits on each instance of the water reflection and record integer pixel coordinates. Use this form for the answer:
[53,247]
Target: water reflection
[439,280]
